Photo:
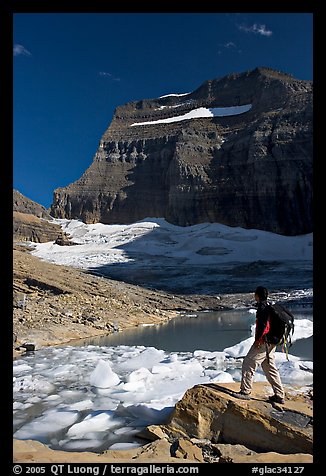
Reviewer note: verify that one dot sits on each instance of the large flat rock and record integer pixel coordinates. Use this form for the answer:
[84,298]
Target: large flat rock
[212,412]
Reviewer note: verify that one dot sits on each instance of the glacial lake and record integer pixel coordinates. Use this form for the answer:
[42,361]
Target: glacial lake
[62,396]
[211,331]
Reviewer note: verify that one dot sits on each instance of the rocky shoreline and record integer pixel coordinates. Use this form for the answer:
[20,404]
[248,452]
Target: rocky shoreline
[55,304]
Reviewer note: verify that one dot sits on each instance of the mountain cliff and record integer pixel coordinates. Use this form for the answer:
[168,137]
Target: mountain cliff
[32,222]
[237,150]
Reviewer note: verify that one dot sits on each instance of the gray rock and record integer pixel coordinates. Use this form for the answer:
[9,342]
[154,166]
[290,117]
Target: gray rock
[252,170]
[23,204]
[29,347]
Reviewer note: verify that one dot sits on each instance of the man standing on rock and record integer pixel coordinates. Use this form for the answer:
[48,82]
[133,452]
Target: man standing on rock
[261,352]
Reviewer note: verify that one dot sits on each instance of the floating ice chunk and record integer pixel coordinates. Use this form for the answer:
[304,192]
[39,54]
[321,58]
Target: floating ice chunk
[222,377]
[33,384]
[281,357]
[60,370]
[81,445]
[106,392]
[140,374]
[53,397]
[34,399]
[307,365]
[50,422]
[70,394]
[209,355]
[179,369]
[260,376]
[241,349]
[296,371]
[161,369]
[236,374]
[98,422]
[103,376]
[147,358]
[20,405]
[207,359]
[124,446]
[20,368]
[303,328]
[136,386]
[83,405]
[126,430]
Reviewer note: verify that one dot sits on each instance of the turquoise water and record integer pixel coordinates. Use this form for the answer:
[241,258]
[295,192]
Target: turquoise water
[212,331]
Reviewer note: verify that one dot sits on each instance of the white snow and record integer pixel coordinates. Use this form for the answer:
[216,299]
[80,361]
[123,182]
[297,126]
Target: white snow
[200,112]
[102,376]
[203,244]
[173,94]
[172,107]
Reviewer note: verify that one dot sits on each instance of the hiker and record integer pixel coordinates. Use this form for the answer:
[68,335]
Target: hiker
[261,352]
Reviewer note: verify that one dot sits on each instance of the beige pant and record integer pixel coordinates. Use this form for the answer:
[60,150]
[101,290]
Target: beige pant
[256,356]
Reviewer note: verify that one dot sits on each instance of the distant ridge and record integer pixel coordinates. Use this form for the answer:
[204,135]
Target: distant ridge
[23,204]
[31,221]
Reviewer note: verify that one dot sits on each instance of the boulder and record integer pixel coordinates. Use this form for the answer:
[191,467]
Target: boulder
[211,412]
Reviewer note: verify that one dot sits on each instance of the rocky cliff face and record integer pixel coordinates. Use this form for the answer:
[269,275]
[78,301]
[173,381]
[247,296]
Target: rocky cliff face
[22,204]
[248,163]
[31,221]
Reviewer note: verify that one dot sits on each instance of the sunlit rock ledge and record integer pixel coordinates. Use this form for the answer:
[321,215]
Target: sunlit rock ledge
[211,412]
[210,425]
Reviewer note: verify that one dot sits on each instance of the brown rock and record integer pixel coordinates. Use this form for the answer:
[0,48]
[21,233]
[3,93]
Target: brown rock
[211,412]
[29,451]
[27,227]
[241,454]
[25,205]
[185,449]
[43,292]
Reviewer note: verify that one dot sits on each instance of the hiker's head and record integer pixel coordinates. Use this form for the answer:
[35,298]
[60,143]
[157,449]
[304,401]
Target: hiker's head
[261,293]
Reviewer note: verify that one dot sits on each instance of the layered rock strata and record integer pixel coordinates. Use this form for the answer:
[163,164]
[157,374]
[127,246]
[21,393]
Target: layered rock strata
[32,222]
[237,150]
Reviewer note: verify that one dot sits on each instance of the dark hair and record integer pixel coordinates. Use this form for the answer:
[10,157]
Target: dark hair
[262,293]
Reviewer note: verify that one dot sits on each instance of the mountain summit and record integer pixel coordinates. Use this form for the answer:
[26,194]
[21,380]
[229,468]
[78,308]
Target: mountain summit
[237,151]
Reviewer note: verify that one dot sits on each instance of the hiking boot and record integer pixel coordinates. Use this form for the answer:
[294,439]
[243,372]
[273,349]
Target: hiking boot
[242,395]
[276,399]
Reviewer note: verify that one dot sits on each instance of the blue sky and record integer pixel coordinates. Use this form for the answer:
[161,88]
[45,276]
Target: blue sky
[71,70]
